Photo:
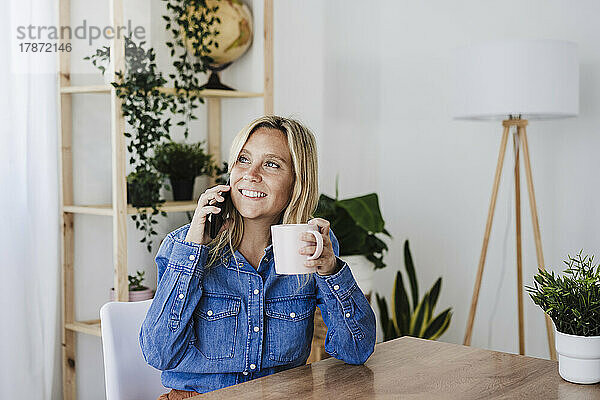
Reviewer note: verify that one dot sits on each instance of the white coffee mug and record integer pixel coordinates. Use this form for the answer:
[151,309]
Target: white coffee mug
[287,245]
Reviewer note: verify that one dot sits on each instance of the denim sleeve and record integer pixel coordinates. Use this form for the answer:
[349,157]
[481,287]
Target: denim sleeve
[167,328]
[348,315]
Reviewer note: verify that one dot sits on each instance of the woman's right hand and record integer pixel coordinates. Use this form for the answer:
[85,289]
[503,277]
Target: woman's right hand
[198,232]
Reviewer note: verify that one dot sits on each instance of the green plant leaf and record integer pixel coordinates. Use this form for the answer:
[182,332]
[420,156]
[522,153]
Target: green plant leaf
[438,325]
[419,317]
[383,311]
[412,276]
[365,211]
[434,293]
[353,239]
[390,331]
[400,306]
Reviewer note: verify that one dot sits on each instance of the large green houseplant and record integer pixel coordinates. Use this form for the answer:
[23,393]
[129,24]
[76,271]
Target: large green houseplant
[356,222]
[572,301]
[412,316]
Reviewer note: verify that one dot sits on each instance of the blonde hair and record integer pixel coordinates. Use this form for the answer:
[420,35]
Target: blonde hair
[305,192]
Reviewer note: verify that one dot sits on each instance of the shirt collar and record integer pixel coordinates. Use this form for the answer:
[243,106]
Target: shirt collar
[269,249]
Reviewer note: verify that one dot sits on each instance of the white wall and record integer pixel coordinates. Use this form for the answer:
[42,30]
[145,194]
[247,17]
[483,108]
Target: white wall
[433,174]
[372,81]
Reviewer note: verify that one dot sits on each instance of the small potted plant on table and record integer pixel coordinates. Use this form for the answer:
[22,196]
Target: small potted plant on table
[573,303]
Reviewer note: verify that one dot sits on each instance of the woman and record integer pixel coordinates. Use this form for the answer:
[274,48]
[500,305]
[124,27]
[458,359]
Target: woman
[221,315]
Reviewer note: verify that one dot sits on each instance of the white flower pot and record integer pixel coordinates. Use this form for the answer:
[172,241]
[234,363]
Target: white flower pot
[578,357]
[362,270]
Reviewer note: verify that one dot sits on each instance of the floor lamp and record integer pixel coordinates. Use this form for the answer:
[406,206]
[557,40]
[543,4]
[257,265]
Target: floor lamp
[515,81]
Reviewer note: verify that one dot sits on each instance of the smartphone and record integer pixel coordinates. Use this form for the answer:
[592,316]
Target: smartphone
[215,221]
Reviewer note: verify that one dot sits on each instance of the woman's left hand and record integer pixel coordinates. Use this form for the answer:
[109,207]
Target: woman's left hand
[327,263]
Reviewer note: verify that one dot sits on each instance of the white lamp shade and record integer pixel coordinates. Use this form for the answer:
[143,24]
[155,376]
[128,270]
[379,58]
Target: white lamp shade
[537,79]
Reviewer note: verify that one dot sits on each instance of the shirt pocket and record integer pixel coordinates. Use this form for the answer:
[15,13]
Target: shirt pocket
[289,327]
[215,325]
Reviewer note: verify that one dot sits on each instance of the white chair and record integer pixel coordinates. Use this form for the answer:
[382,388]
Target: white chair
[127,375]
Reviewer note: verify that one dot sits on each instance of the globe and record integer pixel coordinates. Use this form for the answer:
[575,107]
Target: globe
[235,36]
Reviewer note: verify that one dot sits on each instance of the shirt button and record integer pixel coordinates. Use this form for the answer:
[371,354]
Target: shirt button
[245,373]
[181,295]
[336,287]
[209,313]
[347,315]
[256,291]
[293,314]
[192,257]
[256,329]
[252,366]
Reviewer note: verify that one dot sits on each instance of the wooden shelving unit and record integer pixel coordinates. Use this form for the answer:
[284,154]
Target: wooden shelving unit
[118,210]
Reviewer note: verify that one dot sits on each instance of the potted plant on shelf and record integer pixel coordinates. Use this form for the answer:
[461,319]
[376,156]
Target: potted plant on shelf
[143,192]
[143,188]
[416,319]
[182,163]
[137,291]
[355,222]
[573,303]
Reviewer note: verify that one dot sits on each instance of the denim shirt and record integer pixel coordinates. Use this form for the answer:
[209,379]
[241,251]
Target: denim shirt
[208,329]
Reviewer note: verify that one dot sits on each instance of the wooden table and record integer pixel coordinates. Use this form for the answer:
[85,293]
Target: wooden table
[411,368]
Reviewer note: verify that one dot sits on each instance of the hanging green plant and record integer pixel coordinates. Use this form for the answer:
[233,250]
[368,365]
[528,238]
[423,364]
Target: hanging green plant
[144,104]
[190,22]
[100,59]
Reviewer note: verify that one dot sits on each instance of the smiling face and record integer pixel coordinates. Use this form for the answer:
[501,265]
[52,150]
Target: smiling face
[262,177]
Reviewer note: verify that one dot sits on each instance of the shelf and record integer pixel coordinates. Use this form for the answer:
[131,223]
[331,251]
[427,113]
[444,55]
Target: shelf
[91,327]
[209,93]
[106,209]
[91,210]
[86,89]
[215,93]
[168,206]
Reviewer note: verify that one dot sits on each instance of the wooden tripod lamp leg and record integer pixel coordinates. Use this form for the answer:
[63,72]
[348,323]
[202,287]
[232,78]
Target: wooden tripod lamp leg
[486,238]
[536,230]
[516,140]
